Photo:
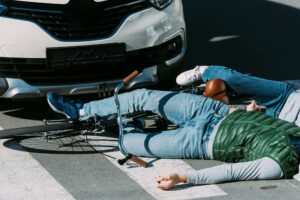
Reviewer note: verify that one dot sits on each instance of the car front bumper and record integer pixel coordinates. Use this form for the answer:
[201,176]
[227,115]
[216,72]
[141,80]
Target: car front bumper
[15,88]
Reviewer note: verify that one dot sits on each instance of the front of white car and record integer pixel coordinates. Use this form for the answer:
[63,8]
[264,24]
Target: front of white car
[71,46]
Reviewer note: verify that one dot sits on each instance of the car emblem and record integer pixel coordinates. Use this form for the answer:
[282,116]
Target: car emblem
[81,5]
[82,13]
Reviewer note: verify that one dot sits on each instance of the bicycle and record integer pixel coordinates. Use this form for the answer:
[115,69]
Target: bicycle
[57,129]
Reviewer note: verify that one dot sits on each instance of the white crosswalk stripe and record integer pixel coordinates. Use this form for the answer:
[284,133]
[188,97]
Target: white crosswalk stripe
[145,176]
[22,177]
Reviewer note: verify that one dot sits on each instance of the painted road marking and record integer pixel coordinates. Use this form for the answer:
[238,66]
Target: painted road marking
[22,177]
[145,176]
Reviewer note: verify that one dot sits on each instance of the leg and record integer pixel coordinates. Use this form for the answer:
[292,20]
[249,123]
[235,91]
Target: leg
[183,142]
[179,108]
[271,94]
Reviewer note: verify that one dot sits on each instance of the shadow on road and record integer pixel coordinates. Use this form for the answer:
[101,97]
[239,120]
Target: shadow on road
[63,145]
[36,109]
[251,36]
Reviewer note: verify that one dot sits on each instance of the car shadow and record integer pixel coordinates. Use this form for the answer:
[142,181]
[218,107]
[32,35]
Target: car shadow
[256,36]
[35,109]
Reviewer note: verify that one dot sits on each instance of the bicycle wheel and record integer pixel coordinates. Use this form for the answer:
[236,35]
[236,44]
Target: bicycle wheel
[8,133]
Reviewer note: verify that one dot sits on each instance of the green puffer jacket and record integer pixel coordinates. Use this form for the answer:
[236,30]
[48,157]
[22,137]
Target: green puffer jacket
[245,136]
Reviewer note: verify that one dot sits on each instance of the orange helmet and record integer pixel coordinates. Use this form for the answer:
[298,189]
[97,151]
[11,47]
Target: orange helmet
[216,89]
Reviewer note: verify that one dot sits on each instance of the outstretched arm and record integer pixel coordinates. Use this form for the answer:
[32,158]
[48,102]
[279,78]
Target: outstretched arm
[261,169]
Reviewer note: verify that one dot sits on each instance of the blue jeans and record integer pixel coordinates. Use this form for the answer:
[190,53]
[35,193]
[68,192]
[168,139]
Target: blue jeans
[272,94]
[195,115]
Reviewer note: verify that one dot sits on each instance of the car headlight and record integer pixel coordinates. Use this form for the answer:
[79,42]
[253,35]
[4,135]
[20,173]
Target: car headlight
[2,9]
[160,4]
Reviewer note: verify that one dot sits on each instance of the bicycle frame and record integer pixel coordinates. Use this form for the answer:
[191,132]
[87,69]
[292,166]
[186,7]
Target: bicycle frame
[128,156]
[119,118]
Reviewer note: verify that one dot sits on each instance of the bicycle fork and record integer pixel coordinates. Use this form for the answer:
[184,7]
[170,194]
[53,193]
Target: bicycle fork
[128,156]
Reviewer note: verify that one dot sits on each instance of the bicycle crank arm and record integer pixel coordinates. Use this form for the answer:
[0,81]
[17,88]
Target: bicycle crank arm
[135,159]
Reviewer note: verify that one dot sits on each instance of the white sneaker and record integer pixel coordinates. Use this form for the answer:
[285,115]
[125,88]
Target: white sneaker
[190,76]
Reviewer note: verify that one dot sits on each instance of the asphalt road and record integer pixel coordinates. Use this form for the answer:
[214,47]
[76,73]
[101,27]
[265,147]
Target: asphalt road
[258,36]
[251,36]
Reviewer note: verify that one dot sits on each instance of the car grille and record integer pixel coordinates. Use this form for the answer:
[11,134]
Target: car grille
[96,22]
[36,71]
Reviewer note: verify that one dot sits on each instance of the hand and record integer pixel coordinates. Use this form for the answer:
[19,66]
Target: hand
[253,107]
[166,182]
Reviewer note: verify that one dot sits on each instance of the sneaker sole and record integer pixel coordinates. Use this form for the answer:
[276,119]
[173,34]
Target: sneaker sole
[56,110]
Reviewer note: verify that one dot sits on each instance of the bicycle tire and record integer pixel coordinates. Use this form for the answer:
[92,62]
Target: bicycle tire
[9,133]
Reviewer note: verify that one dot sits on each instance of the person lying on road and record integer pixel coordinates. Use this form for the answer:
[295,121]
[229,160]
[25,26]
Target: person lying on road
[254,145]
[280,99]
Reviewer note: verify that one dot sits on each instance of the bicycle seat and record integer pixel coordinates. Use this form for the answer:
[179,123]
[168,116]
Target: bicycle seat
[217,90]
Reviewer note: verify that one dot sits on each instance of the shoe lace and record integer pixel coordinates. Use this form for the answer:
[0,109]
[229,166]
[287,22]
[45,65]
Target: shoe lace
[69,104]
[196,73]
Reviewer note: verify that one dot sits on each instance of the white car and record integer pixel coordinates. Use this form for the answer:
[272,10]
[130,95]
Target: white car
[72,46]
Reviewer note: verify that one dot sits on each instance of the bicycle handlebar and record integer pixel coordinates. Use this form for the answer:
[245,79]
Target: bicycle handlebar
[130,77]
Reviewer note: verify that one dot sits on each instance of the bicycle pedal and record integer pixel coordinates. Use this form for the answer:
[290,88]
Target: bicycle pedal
[123,161]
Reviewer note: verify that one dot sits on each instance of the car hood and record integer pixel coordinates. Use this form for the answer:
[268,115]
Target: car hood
[53,1]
